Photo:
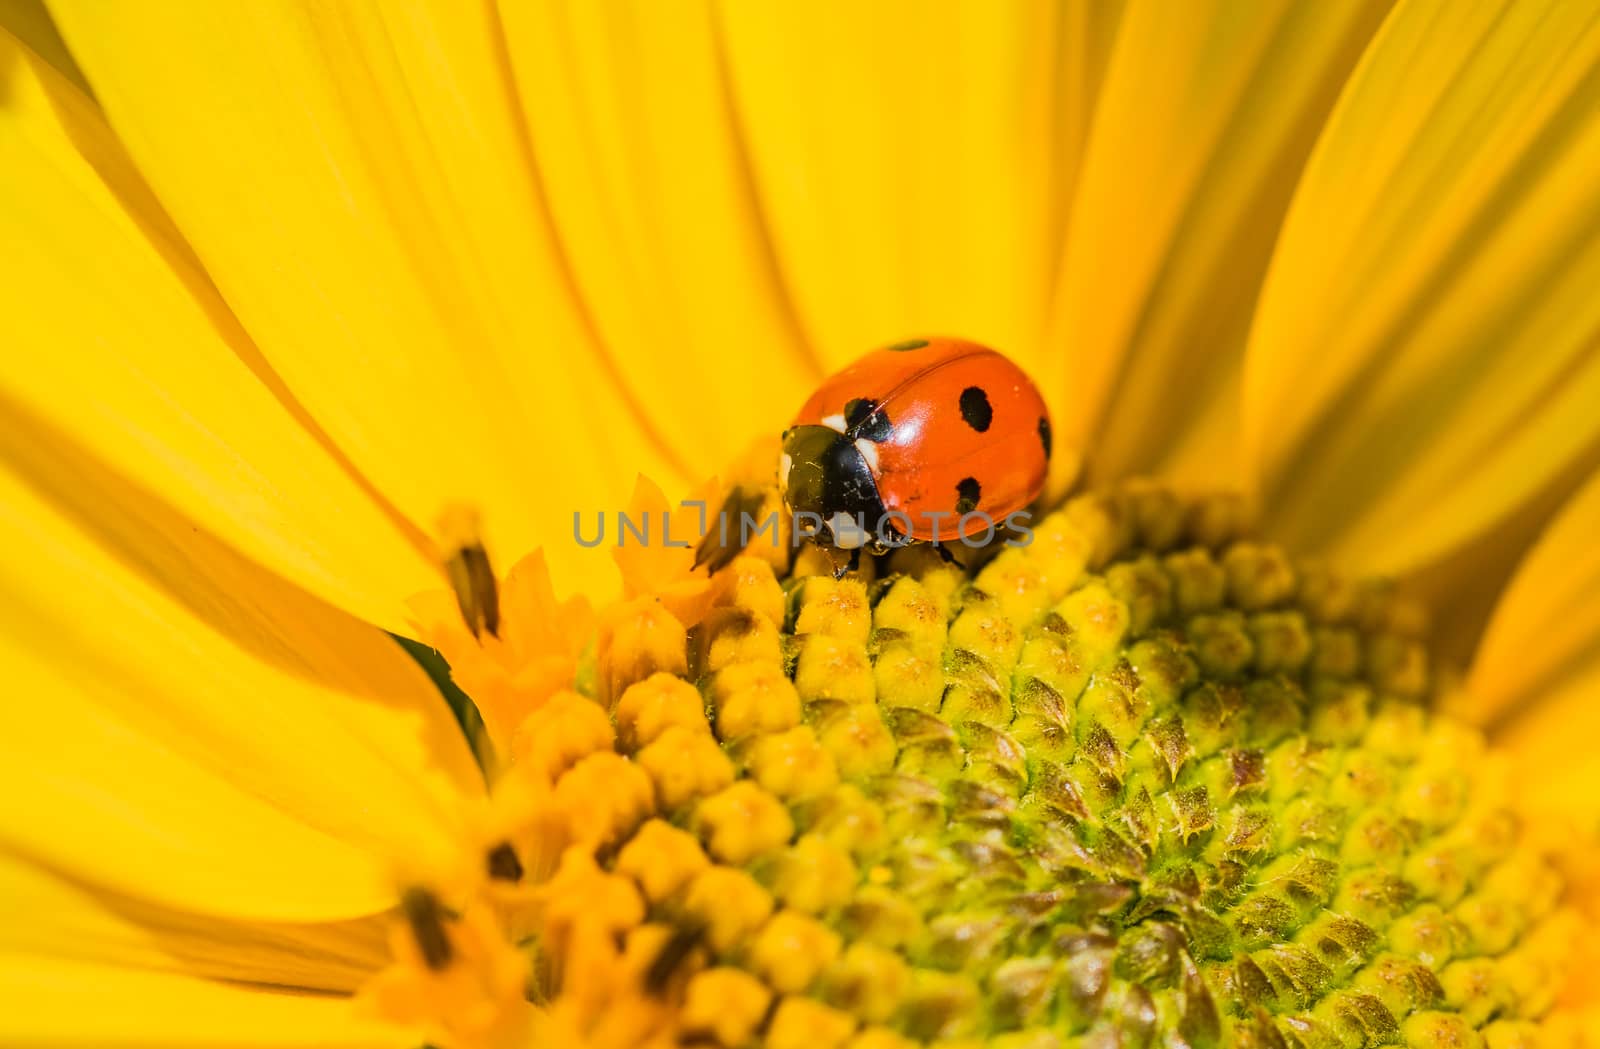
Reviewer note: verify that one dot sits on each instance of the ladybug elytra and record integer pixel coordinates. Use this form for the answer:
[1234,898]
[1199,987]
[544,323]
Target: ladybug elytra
[930,440]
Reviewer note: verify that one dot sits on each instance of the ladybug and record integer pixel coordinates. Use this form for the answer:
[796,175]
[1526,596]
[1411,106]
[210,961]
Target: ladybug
[930,440]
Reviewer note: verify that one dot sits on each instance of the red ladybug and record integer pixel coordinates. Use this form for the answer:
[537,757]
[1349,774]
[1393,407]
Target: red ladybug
[926,440]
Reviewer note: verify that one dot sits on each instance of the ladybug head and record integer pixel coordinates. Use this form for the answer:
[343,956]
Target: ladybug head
[828,486]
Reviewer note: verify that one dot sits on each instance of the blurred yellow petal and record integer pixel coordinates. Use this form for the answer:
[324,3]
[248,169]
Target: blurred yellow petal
[1205,119]
[50,916]
[127,345]
[30,23]
[632,126]
[914,161]
[1552,743]
[58,1003]
[358,181]
[188,728]
[1424,361]
[1536,682]
[1544,634]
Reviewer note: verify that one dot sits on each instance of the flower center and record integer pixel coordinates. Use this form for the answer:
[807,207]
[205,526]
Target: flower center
[1138,782]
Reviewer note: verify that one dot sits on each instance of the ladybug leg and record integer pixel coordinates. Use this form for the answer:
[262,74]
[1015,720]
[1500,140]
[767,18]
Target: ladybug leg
[946,556]
[849,564]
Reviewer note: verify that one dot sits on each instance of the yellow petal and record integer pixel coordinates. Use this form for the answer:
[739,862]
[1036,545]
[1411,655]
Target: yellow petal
[1551,742]
[663,564]
[1544,635]
[185,727]
[50,916]
[358,181]
[641,160]
[1204,121]
[1424,360]
[914,161]
[1536,681]
[30,23]
[58,1003]
[115,334]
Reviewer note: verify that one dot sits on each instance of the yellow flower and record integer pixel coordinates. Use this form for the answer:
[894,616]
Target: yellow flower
[286,286]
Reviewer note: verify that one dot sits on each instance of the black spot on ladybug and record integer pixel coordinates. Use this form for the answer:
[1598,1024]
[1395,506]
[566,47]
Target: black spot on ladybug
[975,408]
[909,344]
[1044,435]
[864,419]
[968,492]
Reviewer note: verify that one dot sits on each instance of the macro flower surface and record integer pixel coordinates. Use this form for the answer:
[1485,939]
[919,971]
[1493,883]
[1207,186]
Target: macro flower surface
[1289,746]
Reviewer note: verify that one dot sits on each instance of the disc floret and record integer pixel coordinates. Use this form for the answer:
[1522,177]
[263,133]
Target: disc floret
[1143,781]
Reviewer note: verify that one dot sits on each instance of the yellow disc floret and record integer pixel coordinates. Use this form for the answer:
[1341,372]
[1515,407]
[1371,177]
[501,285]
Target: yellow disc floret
[1139,782]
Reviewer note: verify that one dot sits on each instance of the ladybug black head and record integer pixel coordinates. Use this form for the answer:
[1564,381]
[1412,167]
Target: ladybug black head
[824,475]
